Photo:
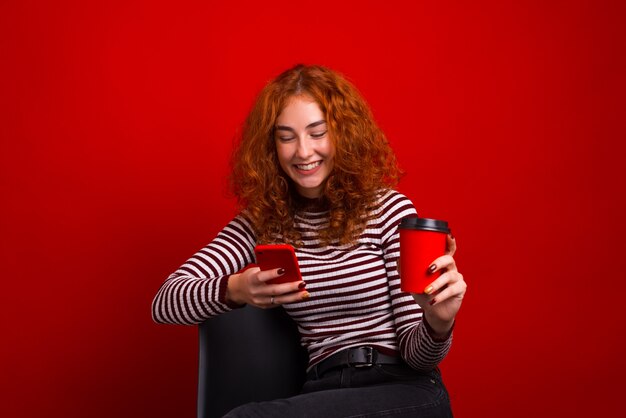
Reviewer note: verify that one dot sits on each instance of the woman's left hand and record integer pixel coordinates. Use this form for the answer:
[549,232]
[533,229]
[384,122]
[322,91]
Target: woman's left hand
[442,298]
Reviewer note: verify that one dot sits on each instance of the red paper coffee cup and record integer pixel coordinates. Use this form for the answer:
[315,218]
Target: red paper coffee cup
[422,240]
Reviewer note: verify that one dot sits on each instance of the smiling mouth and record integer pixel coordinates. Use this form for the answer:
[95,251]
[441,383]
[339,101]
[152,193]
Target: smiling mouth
[307,167]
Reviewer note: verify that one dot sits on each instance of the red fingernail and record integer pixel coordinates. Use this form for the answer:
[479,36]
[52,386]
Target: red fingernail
[281,271]
[432,302]
[432,268]
[301,285]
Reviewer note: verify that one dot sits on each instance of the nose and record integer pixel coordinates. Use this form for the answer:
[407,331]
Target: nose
[303,149]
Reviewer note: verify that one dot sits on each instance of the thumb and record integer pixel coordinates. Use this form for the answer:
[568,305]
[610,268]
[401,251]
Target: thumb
[450,244]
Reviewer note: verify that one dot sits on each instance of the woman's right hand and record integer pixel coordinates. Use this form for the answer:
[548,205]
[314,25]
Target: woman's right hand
[251,287]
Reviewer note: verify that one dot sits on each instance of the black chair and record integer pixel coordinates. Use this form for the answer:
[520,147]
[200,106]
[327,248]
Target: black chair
[246,355]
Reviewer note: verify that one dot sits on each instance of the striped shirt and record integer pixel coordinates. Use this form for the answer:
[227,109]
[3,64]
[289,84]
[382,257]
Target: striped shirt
[355,297]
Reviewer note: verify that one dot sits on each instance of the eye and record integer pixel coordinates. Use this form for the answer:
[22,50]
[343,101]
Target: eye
[285,138]
[319,134]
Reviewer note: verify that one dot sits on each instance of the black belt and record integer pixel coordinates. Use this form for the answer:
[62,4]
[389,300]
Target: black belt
[352,357]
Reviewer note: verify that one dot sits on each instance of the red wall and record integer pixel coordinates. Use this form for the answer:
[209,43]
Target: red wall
[116,125]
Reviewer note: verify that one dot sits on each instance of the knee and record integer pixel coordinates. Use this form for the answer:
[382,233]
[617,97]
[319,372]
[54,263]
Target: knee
[242,411]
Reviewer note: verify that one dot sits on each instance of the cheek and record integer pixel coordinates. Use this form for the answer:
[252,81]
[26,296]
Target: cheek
[283,156]
[329,150]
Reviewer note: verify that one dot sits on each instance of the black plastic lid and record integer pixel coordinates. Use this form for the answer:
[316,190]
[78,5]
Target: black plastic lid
[425,224]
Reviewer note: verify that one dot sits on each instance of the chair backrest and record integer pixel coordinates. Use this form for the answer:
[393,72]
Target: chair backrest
[246,355]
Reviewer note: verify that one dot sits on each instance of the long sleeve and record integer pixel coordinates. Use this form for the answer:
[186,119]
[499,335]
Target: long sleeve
[197,290]
[415,343]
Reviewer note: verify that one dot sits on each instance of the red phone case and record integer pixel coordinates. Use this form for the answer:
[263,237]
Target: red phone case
[276,256]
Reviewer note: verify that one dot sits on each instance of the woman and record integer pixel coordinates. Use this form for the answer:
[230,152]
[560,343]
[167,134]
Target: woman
[313,170]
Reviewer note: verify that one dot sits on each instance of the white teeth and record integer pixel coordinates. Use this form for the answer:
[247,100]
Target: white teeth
[310,166]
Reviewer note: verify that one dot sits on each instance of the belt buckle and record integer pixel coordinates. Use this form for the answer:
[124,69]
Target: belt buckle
[369,358]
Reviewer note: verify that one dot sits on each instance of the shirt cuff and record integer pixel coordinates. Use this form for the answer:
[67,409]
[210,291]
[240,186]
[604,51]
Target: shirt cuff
[432,334]
[223,286]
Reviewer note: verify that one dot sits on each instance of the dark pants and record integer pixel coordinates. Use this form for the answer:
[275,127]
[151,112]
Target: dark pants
[376,391]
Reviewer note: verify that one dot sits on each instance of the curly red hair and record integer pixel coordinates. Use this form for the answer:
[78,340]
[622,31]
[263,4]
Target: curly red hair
[364,163]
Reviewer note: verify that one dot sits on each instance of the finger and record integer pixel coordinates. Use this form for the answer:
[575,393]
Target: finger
[285,288]
[266,275]
[267,302]
[282,288]
[445,262]
[447,279]
[452,291]
[450,244]
[290,298]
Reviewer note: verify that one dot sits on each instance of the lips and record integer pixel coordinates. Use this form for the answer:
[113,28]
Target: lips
[308,167]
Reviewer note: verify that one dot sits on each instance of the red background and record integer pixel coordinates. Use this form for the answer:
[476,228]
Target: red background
[117,121]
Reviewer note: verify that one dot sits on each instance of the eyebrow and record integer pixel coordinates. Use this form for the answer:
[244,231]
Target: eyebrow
[309,126]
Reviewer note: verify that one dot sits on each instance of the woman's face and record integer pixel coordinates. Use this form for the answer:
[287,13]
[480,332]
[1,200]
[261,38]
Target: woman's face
[305,151]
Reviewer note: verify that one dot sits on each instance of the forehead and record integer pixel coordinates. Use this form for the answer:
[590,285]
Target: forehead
[300,109]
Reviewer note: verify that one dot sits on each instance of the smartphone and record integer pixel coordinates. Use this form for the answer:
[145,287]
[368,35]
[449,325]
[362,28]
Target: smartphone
[276,256]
